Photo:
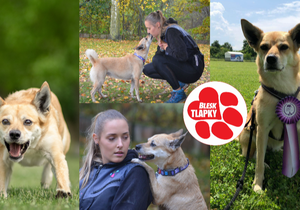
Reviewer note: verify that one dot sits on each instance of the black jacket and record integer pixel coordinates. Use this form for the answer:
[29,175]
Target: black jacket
[119,186]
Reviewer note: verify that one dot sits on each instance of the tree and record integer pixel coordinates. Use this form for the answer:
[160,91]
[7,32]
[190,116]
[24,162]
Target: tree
[247,49]
[228,46]
[115,20]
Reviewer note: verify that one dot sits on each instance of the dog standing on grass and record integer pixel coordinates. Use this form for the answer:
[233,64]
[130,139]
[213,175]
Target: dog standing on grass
[278,65]
[129,67]
[33,132]
[176,185]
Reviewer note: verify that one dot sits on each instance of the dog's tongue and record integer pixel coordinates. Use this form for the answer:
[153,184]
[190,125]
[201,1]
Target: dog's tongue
[14,150]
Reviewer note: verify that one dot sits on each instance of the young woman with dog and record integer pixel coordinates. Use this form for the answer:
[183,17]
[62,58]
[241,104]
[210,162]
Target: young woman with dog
[108,179]
[178,59]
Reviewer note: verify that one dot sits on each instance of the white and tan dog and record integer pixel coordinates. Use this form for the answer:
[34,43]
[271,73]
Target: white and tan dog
[278,65]
[129,67]
[176,186]
[33,132]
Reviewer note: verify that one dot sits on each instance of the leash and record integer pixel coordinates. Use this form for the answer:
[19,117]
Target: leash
[240,182]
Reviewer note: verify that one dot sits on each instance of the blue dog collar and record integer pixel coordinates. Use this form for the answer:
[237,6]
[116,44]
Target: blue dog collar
[174,171]
[140,57]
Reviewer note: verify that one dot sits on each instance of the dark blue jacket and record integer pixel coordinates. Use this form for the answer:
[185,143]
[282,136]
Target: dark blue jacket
[182,46]
[119,186]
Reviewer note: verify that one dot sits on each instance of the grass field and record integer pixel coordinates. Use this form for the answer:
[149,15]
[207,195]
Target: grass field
[25,192]
[151,90]
[227,164]
[241,75]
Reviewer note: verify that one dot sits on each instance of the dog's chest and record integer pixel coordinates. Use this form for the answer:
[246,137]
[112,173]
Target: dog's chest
[34,158]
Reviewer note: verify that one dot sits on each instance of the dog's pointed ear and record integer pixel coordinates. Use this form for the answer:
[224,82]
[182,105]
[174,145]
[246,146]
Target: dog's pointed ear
[140,47]
[42,99]
[2,102]
[177,133]
[176,143]
[295,34]
[252,33]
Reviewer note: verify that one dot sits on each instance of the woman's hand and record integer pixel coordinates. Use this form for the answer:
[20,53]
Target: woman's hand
[163,45]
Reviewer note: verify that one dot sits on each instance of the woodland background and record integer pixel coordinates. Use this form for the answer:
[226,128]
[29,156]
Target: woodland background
[96,17]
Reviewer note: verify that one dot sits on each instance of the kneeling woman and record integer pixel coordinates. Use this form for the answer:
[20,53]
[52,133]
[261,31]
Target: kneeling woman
[178,58]
[108,180]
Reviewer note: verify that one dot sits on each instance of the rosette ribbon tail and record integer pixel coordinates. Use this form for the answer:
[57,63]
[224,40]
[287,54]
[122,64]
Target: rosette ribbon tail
[291,162]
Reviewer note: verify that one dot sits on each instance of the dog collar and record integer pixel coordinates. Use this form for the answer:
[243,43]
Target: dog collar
[174,171]
[140,57]
[278,94]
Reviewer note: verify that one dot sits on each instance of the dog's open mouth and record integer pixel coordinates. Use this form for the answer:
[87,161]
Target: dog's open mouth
[146,157]
[16,150]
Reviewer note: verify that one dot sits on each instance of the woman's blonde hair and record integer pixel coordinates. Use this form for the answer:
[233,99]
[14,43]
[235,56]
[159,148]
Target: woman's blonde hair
[92,150]
[155,17]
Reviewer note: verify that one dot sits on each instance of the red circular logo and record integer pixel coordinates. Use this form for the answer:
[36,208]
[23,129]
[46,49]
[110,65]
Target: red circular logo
[215,113]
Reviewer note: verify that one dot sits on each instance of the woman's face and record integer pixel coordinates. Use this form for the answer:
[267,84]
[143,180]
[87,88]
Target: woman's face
[154,30]
[113,141]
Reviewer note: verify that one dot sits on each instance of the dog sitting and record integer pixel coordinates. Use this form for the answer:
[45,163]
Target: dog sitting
[176,185]
[33,132]
[278,68]
[129,67]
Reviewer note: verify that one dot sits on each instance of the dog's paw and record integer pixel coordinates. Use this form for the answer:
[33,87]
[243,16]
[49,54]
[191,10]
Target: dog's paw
[63,194]
[136,160]
[258,189]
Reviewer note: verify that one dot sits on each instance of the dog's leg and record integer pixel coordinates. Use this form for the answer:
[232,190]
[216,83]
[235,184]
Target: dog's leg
[5,173]
[61,171]
[47,176]
[93,91]
[157,190]
[261,147]
[136,85]
[131,88]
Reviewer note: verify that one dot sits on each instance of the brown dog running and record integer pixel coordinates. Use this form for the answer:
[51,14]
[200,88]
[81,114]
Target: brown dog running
[33,132]
[129,67]
[176,186]
[278,68]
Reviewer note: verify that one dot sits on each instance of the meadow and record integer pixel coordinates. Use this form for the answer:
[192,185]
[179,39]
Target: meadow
[227,164]
[25,192]
[151,90]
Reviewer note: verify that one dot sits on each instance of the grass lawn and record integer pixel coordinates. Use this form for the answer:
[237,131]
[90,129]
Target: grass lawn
[151,90]
[25,192]
[226,164]
[241,75]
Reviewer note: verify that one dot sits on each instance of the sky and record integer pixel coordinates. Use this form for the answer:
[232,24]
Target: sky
[226,15]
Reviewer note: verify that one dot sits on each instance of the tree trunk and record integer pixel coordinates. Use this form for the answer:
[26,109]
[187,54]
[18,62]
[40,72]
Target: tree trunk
[115,20]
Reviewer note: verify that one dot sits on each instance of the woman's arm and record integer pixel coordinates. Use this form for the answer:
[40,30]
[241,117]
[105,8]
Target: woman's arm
[176,46]
[134,193]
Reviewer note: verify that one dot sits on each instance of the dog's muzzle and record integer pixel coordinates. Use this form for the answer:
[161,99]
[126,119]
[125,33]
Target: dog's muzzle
[14,148]
[272,63]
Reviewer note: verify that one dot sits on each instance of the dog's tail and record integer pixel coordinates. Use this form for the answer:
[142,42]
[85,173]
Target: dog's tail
[92,55]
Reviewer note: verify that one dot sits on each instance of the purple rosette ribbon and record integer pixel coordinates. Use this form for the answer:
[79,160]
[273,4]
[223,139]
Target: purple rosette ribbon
[288,111]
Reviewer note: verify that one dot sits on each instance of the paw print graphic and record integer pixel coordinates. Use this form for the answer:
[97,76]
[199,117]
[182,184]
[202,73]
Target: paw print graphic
[215,113]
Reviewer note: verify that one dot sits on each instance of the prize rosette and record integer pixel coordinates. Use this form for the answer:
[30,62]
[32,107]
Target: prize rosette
[288,111]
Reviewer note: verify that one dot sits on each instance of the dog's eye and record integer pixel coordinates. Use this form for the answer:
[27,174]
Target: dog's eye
[152,144]
[146,38]
[27,122]
[283,47]
[264,47]
[5,122]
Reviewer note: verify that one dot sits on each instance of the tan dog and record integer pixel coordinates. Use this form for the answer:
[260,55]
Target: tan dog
[129,67]
[278,68]
[179,191]
[33,132]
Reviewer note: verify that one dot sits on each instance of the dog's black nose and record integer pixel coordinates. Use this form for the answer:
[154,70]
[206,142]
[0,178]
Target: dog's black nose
[138,147]
[271,59]
[15,134]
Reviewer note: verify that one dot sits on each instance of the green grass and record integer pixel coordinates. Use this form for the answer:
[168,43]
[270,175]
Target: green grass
[241,75]
[151,90]
[226,167]
[25,192]
[226,164]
